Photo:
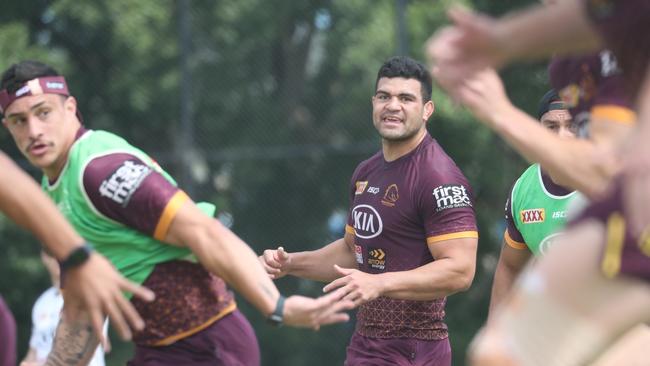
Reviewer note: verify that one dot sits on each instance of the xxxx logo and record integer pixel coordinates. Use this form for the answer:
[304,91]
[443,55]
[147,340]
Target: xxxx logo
[532,216]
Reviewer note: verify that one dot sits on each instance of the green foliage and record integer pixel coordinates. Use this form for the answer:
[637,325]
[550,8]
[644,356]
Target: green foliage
[280,108]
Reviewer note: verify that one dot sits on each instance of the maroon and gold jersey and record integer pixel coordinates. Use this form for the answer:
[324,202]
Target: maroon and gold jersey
[592,86]
[624,25]
[398,209]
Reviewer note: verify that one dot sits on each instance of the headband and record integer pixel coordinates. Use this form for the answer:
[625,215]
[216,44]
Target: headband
[37,86]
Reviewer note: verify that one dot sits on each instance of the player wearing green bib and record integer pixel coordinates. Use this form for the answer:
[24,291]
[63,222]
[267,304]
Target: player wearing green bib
[536,208]
[131,211]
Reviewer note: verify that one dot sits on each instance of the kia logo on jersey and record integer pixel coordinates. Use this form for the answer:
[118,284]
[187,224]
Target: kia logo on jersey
[367,222]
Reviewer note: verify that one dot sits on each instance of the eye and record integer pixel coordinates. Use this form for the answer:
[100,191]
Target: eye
[381,97]
[42,113]
[406,98]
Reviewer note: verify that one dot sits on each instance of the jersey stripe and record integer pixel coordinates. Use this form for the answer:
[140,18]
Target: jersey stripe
[512,242]
[168,214]
[458,235]
[614,113]
[171,339]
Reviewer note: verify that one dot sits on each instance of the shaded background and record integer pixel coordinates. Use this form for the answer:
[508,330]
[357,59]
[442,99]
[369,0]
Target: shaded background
[262,107]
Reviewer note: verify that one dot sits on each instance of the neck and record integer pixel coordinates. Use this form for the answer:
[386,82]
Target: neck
[394,150]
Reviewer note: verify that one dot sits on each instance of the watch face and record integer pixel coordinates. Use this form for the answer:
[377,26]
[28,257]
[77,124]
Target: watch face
[275,319]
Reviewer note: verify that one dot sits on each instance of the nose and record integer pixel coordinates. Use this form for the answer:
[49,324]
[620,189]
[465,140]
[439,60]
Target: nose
[34,127]
[393,104]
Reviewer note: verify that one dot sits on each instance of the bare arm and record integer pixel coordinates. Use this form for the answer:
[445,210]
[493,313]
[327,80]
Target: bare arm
[511,262]
[223,253]
[451,272]
[74,343]
[476,41]
[95,286]
[585,165]
[317,265]
[30,358]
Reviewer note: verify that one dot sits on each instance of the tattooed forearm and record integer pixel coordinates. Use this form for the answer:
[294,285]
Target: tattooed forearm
[74,344]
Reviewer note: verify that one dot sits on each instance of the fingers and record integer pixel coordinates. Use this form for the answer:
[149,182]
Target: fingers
[97,320]
[117,318]
[335,284]
[132,317]
[140,292]
[461,16]
[282,255]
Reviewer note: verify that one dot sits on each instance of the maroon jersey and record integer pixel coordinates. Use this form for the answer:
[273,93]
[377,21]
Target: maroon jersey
[398,208]
[592,86]
[624,25]
[623,253]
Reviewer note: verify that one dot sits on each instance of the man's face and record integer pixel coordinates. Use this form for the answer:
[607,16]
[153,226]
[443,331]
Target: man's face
[398,111]
[560,122]
[42,127]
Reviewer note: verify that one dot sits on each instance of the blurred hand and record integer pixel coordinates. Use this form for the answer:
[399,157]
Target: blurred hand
[96,287]
[483,94]
[471,44]
[276,262]
[301,311]
[359,287]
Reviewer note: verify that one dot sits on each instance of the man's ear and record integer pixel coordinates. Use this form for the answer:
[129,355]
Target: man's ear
[428,109]
[70,105]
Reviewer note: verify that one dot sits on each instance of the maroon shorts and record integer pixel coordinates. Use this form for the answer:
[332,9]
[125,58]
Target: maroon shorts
[7,336]
[229,341]
[364,351]
[623,253]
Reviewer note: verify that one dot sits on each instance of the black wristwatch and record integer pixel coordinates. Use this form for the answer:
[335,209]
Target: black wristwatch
[76,258]
[277,316]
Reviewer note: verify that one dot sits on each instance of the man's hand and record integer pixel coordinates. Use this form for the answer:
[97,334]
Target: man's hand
[276,262]
[359,287]
[301,311]
[471,44]
[97,287]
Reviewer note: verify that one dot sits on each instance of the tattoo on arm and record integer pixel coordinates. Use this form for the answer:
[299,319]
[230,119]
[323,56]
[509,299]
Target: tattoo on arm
[74,344]
[266,290]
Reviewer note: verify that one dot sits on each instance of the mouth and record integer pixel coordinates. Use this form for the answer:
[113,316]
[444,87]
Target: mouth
[37,148]
[391,120]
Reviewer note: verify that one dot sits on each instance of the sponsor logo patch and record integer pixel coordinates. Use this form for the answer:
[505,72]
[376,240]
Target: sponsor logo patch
[449,196]
[532,216]
[358,254]
[361,186]
[376,258]
[121,185]
[390,196]
[559,215]
[367,222]
[373,190]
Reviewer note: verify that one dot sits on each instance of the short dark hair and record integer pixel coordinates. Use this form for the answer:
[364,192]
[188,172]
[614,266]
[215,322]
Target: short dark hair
[550,101]
[408,68]
[18,74]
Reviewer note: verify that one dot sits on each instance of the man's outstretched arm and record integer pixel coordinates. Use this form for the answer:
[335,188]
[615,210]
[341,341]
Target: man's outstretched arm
[95,285]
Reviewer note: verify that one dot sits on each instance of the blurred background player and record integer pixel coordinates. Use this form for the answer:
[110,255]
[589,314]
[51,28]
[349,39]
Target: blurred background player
[46,315]
[536,209]
[606,291]
[410,238]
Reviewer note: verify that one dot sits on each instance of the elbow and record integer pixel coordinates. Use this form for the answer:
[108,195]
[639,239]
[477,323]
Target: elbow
[463,281]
